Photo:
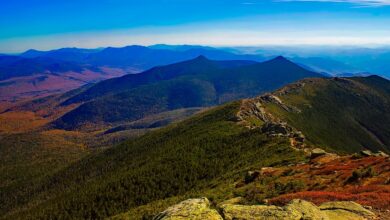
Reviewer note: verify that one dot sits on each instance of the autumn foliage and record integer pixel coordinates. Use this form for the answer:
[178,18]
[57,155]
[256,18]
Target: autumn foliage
[375,196]
[363,179]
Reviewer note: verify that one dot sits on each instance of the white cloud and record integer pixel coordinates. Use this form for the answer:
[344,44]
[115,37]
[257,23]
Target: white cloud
[359,2]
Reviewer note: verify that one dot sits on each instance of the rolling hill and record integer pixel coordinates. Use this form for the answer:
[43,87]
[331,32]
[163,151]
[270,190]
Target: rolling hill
[209,153]
[199,82]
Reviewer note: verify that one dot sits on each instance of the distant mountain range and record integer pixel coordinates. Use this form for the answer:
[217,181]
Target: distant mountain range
[137,57]
[35,73]
[355,60]
[334,61]
[38,73]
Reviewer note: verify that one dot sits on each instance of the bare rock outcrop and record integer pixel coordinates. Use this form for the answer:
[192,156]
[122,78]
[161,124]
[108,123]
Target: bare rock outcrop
[253,115]
[346,210]
[296,210]
[196,209]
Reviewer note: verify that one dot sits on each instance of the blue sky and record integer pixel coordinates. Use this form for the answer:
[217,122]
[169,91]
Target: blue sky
[47,24]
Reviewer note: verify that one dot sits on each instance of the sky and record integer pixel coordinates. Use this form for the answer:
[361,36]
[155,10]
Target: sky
[49,24]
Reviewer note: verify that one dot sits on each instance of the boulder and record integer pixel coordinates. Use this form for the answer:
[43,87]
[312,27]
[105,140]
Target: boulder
[295,210]
[381,154]
[298,209]
[299,137]
[196,209]
[276,129]
[346,206]
[308,210]
[258,212]
[316,152]
[366,153]
[339,214]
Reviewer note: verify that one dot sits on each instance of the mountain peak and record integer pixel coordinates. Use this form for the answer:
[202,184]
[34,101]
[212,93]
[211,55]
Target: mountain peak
[280,58]
[281,61]
[31,50]
[31,53]
[201,57]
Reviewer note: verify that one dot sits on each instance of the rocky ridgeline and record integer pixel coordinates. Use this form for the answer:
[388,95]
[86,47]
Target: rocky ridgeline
[295,87]
[253,115]
[200,209]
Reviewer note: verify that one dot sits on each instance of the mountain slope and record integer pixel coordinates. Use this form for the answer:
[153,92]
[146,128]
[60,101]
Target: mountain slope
[210,152]
[181,157]
[343,114]
[200,65]
[195,83]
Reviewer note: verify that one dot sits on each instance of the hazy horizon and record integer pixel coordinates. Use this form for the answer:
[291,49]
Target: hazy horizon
[45,25]
[244,49]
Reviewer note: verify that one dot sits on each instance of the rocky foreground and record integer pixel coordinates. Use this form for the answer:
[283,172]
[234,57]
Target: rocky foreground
[342,187]
[296,210]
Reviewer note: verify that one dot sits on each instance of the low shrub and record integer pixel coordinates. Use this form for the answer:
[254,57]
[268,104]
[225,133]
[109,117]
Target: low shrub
[377,200]
[362,173]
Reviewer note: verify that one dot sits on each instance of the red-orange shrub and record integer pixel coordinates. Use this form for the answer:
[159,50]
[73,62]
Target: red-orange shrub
[380,200]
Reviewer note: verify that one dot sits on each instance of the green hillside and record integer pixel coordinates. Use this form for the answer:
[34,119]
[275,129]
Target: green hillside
[140,102]
[344,114]
[205,154]
[189,156]
[195,83]
[28,158]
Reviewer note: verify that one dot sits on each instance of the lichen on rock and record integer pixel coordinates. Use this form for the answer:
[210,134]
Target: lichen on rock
[348,206]
[195,209]
[297,209]
[258,212]
[308,210]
